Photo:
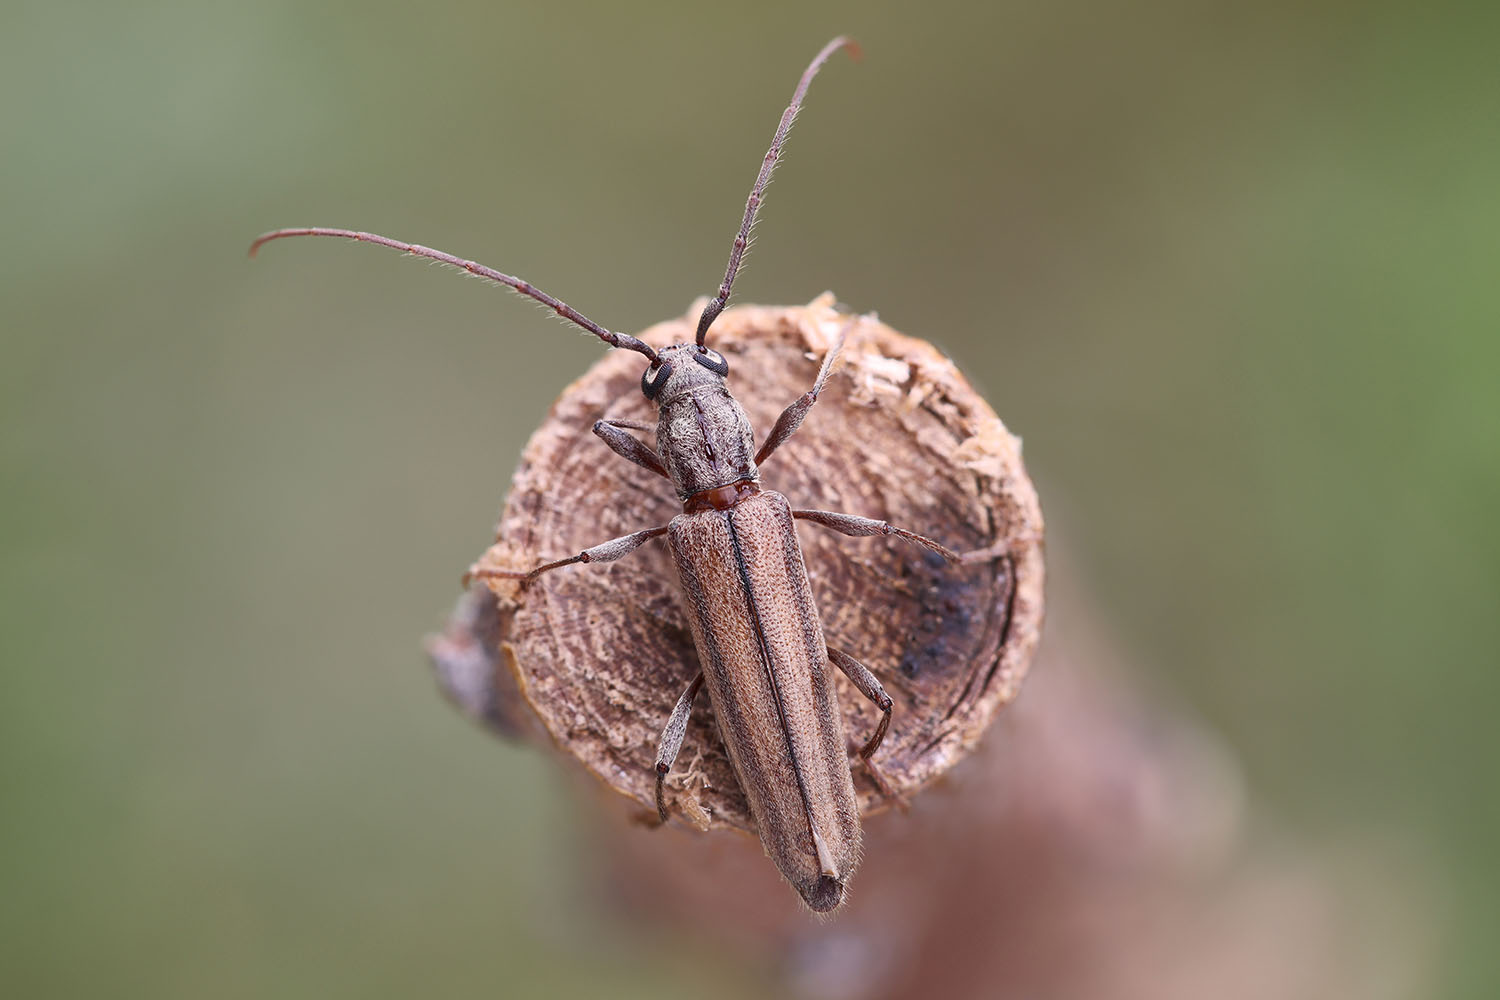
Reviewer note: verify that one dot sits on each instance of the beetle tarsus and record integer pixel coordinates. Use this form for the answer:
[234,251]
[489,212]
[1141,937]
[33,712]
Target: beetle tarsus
[671,742]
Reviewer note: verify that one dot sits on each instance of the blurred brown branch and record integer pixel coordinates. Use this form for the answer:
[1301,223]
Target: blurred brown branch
[1099,844]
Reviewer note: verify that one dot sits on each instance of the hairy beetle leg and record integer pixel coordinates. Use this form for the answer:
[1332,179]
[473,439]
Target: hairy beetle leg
[671,741]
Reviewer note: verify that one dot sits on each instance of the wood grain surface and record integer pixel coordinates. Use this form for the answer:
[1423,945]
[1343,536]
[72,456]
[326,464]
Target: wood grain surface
[598,654]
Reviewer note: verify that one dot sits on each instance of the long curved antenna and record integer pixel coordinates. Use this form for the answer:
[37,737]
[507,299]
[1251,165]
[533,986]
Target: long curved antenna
[564,310]
[737,253]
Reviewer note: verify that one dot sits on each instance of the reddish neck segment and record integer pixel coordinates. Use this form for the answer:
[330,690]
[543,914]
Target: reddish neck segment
[720,497]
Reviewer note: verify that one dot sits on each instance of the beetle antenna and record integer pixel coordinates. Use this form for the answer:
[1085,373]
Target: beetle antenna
[737,253]
[564,310]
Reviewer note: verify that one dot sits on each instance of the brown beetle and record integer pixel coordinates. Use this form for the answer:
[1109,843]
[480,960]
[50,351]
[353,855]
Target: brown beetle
[760,645]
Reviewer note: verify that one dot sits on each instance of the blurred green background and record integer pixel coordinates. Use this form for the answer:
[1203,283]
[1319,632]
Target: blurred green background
[1230,271]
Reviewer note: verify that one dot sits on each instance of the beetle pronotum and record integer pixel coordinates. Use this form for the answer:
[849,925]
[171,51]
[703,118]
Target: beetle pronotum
[750,607]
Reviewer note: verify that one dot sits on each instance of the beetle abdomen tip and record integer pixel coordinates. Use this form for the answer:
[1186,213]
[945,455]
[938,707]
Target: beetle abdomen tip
[824,895]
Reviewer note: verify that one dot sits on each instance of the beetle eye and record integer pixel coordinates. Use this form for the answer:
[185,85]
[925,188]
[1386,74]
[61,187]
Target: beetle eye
[653,378]
[713,361]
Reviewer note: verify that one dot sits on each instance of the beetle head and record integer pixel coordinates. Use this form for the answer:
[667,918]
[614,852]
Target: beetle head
[682,368]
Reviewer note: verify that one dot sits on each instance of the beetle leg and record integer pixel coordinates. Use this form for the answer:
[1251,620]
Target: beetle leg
[883,785]
[869,686]
[853,524]
[791,418]
[671,741]
[608,551]
[628,446]
[1002,548]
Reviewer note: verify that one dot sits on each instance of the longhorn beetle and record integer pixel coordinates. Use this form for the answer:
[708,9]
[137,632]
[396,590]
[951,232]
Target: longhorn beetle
[760,644]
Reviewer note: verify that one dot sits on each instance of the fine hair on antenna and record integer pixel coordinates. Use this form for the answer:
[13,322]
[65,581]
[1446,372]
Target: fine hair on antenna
[567,312]
[558,306]
[767,165]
